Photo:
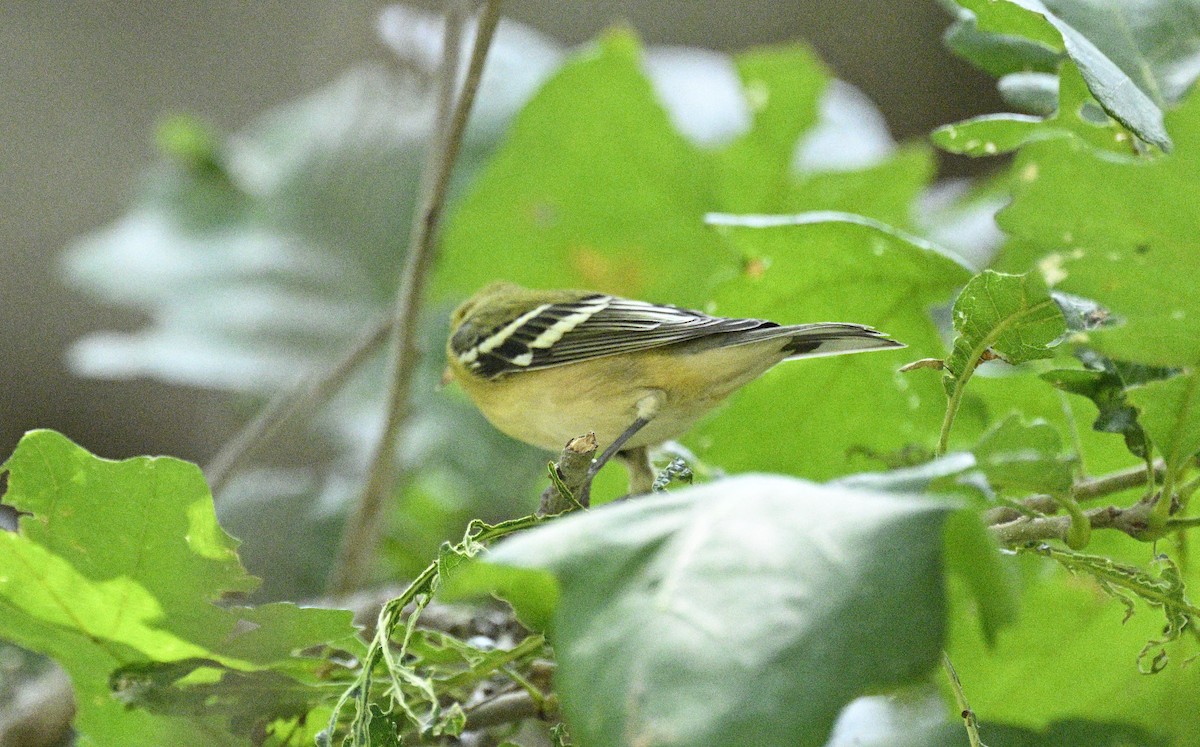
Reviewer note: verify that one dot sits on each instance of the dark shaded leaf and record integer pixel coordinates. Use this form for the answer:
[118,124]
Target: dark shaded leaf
[682,619]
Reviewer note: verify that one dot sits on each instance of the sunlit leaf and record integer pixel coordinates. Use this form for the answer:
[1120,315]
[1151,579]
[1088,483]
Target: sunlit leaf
[1012,316]
[1116,231]
[119,563]
[831,267]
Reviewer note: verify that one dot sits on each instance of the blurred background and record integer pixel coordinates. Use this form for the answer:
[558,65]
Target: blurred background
[86,83]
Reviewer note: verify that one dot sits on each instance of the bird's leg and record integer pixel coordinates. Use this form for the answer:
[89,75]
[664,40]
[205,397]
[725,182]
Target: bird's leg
[647,408]
[641,473]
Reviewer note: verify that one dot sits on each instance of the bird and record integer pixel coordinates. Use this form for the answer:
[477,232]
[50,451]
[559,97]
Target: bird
[546,366]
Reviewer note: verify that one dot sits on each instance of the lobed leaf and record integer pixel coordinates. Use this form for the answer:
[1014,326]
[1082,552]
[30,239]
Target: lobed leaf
[119,564]
[1115,231]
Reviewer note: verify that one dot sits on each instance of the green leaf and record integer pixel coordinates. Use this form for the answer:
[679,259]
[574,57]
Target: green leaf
[990,134]
[1120,232]
[782,87]
[1170,412]
[1008,42]
[565,202]
[263,702]
[1068,620]
[119,563]
[1012,316]
[248,277]
[835,267]
[1135,62]
[1104,382]
[1156,43]
[1024,457]
[686,617]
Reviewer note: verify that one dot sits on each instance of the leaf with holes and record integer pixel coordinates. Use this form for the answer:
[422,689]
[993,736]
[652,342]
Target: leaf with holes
[1011,316]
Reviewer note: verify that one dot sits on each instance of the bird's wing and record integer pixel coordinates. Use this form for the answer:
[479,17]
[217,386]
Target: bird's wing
[591,327]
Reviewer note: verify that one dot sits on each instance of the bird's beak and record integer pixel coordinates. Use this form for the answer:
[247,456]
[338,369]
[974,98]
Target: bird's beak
[447,377]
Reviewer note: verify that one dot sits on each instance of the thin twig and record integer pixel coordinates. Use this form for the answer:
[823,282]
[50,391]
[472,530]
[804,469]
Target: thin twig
[310,393]
[960,698]
[1116,482]
[1084,490]
[362,527]
[1134,521]
[503,709]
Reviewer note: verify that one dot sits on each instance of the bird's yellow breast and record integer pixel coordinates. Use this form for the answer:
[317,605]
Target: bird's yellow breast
[547,407]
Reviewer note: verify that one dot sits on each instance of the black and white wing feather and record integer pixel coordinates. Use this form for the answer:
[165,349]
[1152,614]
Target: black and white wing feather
[592,327]
[598,325]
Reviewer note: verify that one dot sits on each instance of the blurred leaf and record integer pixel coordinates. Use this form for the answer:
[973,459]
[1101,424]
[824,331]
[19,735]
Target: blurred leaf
[783,87]
[1135,59]
[1116,231]
[119,563]
[1156,43]
[563,202]
[666,627]
[1170,412]
[258,705]
[1032,92]
[271,271]
[1068,620]
[1012,316]
[1024,457]
[921,478]
[276,269]
[1007,44]
[830,267]
[1162,590]
[920,719]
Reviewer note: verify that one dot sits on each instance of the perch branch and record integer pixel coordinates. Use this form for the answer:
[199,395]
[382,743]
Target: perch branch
[569,475]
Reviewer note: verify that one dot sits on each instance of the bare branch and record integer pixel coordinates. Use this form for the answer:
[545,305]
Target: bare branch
[1085,490]
[506,708]
[310,393]
[361,533]
[1133,521]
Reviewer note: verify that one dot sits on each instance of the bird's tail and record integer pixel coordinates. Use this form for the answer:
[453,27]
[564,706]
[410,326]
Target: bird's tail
[832,338]
[823,338]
